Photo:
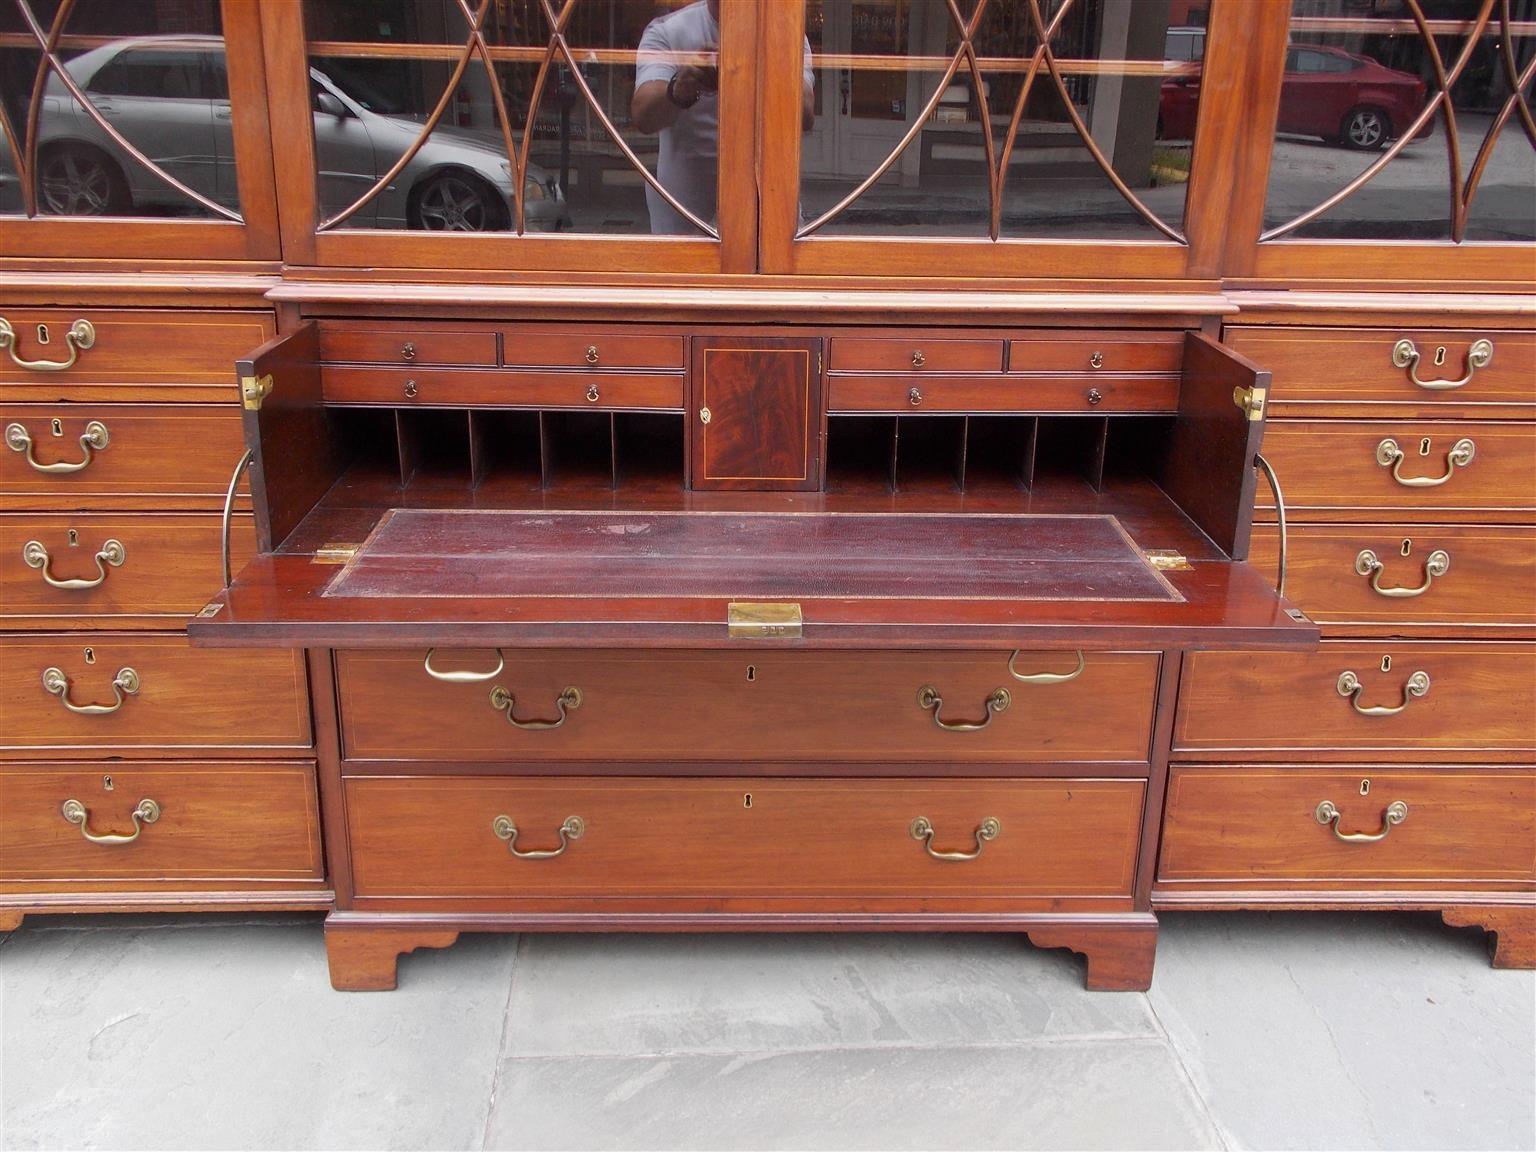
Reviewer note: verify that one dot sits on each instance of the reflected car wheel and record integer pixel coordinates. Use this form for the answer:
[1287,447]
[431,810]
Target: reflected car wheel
[1365,129]
[457,202]
[74,180]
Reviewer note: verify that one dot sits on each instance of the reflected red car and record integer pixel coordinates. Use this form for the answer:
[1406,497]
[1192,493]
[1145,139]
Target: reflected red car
[1346,99]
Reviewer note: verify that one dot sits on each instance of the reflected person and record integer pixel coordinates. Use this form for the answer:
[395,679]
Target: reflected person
[681,101]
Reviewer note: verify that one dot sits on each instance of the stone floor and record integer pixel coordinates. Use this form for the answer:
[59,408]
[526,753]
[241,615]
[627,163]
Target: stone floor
[1261,1031]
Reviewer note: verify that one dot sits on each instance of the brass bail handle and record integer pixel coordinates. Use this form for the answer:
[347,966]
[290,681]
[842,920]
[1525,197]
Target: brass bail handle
[1045,677]
[1328,813]
[92,440]
[456,677]
[1390,455]
[570,830]
[147,812]
[987,830]
[1414,687]
[1367,563]
[929,700]
[81,335]
[112,554]
[125,684]
[1405,354]
[567,702]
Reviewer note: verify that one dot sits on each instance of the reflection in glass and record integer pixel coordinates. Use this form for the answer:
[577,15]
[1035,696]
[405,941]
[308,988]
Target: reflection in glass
[155,136]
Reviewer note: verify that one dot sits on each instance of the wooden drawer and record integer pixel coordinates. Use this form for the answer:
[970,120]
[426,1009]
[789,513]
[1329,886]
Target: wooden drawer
[1474,578]
[1244,827]
[1001,394]
[143,566]
[174,354]
[1333,367]
[673,705]
[407,343]
[439,388]
[917,354]
[1330,466]
[239,823]
[719,840]
[1071,351]
[1479,705]
[159,457]
[590,350]
[186,698]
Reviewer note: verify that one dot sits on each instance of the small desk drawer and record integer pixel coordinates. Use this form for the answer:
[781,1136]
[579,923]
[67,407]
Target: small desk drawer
[672,706]
[1456,471]
[912,394]
[718,840]
[917,354]
[155,692]
[119,566]
[1478,705]
[234,823]
[1071,351]
[1243,827]
[590,350]
[157,457]
[407,343]
[1453,576]
[448,388]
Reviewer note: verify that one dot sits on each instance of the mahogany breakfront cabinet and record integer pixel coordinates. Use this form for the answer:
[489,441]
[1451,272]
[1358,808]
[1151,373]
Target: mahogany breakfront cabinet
[570,465]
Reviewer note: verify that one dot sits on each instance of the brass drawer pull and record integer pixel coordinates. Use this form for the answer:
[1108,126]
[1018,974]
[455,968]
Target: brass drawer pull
[918,359]
[1045,677]
[463,677]
[928,699]
[914,397]
[112,554]
[1406,355]
[1389,455]
[92,440]
[77,813]
[1395,813]
[592,393]
[567,702]
[506,830]
[81,335]
[592,354]
[124,685]
[986,831]
[1415,687]
[1437,563]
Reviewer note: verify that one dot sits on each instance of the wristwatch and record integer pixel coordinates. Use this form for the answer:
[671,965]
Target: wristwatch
[672,93]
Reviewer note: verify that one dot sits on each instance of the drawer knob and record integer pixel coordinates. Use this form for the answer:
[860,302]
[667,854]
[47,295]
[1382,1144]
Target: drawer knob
[463,677]
[81,335]
[1367,563]
[1406,355]
[1389,455]
[929,700]
[1395,813]
[1096,360]
[591,353]
[112,554]
[504,829]
[592,393]
[914,397]
[1095,397]
[124,685]
[1349,686]
[987,830]
[1045,677]
[567,702]
[92,440]
[77,813]
[918,359]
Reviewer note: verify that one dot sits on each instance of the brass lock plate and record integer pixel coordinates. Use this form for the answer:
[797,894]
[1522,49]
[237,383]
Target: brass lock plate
[747,619]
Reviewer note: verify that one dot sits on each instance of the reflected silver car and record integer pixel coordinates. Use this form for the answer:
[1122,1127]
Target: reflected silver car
[169,97]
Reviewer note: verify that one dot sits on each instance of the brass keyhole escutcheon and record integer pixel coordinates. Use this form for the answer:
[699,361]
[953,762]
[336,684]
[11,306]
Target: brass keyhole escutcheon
[1386,663]
[751,673]
[704,416]
[410,389]
[74,538]
[42,333]
[746,800]
[1365,787]
[90,655]
[1440,356]
[1096,360]
[1095,396]
[106,784]
[1424,446]
[1406,546]
[58,427]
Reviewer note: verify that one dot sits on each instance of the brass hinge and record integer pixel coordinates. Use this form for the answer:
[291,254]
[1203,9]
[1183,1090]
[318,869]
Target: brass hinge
[255,389]
[1167,560]
[336,553]
[1250,400]
[750,620]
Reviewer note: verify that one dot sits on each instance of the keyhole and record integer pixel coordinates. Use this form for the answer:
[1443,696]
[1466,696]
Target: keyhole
[746,800]
[1365,787]
[1439,355]
[58,427]
[1386,663]
[751,673]
[42,333]
[1406,547]
[90,655]
[74,538]
[106,783]
[1424,446]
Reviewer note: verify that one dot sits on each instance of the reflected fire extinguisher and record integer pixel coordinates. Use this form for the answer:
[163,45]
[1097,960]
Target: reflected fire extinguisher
[463,108]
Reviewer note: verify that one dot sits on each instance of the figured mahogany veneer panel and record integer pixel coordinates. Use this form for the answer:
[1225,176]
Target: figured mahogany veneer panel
[1479,707]
[818,841]
[158,457]
[187,698]
[919,354]
[589,349]
[1098,395]
[1332,369]
[170,566]
[670,705]
[1245,827]
[755,413]
[1489,585]
[457,388]
[1070,351]
[231,821]
[1330,467]
[415,343]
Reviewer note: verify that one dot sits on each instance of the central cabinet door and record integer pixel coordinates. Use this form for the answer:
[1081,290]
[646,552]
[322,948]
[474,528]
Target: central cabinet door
[755,413]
